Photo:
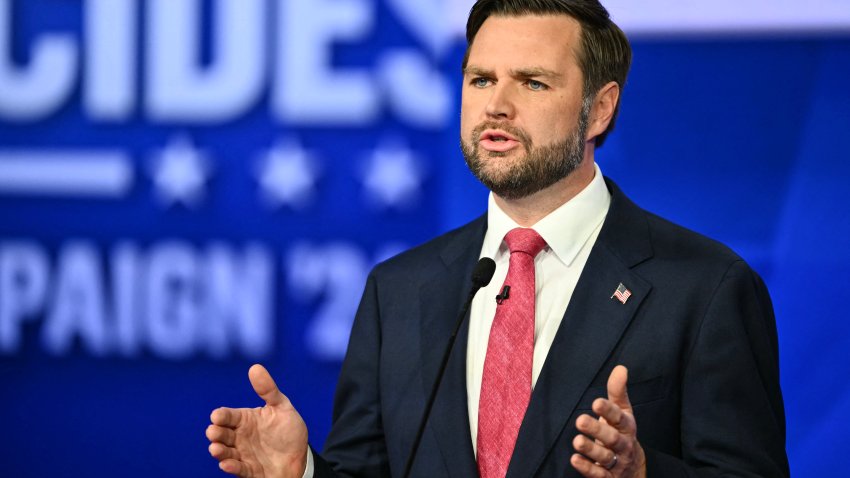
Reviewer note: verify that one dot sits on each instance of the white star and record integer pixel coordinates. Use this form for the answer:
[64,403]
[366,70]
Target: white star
[287,174]
[180,172]
[392,176]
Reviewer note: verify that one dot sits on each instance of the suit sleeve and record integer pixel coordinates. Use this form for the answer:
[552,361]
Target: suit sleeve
[732,415]
[356,444]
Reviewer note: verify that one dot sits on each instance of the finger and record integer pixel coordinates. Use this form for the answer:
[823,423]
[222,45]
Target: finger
[222,452]
[226,417]
[592,450]
[234,467]
[222,435]
[615,416]
[229,460]
[587,468]
[607,435]
[264,385]
[617,392]
[608,412]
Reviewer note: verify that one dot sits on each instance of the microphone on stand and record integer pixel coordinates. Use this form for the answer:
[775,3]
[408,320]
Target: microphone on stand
[480,277]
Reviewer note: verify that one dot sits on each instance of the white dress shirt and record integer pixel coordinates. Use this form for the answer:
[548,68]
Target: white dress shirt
[570,232]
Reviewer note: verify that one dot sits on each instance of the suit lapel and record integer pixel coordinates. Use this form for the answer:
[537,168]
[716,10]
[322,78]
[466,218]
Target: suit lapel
[590,330]
[441,298]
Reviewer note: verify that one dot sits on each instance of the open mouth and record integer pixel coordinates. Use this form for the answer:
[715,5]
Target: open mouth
[497,136]
[499,141]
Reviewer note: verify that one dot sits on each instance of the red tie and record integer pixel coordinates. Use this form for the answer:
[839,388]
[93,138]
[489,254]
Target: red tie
[506,382]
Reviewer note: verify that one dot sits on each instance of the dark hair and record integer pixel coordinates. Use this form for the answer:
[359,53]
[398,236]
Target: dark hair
[605,53]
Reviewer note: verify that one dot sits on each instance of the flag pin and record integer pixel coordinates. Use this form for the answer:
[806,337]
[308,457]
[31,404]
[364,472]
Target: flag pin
[622,294]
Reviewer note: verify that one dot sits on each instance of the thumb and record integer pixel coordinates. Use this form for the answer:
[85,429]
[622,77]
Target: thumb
[264,385]
[617,392]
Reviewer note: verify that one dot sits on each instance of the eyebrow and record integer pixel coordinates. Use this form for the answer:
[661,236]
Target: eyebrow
[534,72]
[474,70]
[530,72]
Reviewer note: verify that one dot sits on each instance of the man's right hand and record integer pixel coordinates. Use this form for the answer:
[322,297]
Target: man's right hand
[260,442]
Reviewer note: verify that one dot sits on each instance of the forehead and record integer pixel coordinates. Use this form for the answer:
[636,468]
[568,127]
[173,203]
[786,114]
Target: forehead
[550,41]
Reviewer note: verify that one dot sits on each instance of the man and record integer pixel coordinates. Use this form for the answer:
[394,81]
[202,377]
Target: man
[593,293]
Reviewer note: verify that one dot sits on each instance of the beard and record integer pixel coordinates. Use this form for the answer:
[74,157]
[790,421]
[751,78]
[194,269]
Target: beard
[541,167]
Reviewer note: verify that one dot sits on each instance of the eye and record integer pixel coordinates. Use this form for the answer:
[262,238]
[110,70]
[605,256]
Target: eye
[536,85]
[480,82]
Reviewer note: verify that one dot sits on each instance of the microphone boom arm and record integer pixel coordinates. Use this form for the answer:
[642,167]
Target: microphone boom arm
[480,277]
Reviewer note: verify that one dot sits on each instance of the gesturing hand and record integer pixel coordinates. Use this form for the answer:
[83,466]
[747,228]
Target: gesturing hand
[611,448]
[260,442]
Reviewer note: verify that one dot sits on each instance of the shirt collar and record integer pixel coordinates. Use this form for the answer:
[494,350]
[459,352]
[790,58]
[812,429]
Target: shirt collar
[565,230]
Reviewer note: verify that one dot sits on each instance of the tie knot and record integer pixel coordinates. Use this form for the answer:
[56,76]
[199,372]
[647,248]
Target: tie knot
[525,240]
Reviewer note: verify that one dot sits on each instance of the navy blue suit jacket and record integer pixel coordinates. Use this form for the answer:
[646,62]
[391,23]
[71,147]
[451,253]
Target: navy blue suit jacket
[697,335]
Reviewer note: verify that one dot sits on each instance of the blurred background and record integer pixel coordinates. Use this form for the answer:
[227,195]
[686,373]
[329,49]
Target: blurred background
[191,186]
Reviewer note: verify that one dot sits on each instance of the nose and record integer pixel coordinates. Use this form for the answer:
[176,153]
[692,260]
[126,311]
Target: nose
[501,104]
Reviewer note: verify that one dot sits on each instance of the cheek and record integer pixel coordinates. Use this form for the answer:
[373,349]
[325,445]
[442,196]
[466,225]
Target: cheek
[464,129]
[559,126]
[473,105]
[467,123]
[557,118]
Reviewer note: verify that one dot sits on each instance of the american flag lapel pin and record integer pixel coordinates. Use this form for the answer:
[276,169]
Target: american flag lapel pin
[622,294]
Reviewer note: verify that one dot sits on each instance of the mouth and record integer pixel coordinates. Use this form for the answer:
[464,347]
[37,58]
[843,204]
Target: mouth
[497,141]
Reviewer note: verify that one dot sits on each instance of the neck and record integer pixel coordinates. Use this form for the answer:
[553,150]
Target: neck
[527,211]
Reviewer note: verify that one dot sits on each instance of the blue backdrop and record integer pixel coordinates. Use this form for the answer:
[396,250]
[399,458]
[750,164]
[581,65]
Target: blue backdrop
[188,187]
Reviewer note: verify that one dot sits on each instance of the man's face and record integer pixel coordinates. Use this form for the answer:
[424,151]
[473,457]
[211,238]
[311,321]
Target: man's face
[522,122]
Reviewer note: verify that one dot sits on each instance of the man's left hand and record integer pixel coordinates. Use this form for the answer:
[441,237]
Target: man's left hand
[609,445]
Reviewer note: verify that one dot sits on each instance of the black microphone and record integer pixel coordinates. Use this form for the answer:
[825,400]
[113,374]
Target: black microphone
[506,293]
[480,277]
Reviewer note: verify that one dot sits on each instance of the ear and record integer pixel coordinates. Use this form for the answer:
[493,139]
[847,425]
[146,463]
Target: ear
[602,111]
